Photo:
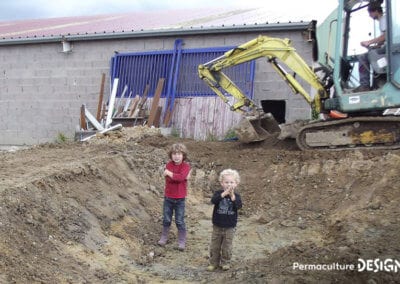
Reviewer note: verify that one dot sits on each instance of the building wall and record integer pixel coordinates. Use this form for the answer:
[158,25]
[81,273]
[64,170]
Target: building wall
[42,88]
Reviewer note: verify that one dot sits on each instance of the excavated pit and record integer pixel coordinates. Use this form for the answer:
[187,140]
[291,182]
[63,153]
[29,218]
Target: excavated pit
[91,212]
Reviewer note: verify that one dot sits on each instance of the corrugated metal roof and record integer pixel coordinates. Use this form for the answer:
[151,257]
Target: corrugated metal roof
[139,22]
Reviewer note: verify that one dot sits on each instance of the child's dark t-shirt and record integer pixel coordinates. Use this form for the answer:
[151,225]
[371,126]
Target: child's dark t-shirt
[225,212]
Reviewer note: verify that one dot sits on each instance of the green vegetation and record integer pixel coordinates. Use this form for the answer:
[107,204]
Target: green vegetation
[230,134]
[175,132]
[61,138]
[211,137]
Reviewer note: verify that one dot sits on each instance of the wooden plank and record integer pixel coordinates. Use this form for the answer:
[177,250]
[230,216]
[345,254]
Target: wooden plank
[119,111]
[101,95]
[142,100]
[168,115]
[83,118]
[133,105]
[156,99]
[157,117]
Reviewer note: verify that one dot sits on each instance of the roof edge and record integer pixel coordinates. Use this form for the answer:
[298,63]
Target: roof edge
[160,33]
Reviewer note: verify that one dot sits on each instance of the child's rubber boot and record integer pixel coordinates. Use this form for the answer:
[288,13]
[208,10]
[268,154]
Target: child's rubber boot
[181,240]
[164,236]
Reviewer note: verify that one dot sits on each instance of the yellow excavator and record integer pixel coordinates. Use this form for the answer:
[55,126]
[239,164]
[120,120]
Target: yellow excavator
[342,119]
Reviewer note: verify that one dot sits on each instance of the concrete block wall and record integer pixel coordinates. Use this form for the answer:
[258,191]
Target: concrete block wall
[270,86]
[42,88]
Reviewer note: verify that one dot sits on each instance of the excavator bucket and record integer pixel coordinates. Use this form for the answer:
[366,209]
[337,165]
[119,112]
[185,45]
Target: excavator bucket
[257,128]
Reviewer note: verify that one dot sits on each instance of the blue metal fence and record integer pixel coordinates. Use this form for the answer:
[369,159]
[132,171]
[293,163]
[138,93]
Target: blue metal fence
[179,68]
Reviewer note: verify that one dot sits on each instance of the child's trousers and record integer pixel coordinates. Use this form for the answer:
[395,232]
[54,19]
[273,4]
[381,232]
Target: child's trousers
[221,246]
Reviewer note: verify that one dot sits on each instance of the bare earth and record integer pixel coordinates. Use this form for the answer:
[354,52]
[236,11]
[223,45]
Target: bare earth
[91,212]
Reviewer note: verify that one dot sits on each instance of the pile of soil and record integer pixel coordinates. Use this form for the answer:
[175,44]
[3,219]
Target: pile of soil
[91,212]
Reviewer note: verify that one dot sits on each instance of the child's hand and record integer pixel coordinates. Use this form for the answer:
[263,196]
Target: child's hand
[168,173]
[226,192]
[232,193]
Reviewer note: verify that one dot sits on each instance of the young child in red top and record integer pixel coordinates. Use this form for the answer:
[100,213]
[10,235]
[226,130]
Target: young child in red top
[176,174]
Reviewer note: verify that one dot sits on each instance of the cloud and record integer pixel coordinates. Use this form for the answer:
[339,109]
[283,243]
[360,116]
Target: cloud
[17,9]
[33,9]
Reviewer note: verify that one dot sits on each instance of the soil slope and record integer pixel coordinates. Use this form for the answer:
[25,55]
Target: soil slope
[91,212]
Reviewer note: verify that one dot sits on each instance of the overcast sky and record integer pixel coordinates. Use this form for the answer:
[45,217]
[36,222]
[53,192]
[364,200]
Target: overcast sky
[36,9]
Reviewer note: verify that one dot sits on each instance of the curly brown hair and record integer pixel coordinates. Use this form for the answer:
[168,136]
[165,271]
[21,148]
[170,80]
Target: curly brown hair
[178,148]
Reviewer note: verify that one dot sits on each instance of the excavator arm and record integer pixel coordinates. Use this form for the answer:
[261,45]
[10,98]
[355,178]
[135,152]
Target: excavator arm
[273,49]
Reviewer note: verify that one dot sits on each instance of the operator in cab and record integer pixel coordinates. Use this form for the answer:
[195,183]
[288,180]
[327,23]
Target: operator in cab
[374,45]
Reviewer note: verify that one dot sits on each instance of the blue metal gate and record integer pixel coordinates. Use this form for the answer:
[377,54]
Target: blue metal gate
[179,68]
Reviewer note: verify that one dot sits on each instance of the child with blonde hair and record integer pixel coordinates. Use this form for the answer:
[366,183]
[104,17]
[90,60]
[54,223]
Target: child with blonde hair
[225,214]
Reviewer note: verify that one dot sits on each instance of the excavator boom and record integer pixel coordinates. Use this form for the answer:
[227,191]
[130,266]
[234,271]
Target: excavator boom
[273,49]
[256,125]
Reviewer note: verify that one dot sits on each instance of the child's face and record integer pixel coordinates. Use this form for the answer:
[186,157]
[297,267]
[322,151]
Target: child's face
[177,157]
[228,182]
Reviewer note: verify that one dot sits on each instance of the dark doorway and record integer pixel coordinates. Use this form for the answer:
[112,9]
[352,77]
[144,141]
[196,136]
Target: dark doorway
[277,108]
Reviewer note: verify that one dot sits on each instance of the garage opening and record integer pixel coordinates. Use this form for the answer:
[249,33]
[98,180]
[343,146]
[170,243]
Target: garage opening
[277,108]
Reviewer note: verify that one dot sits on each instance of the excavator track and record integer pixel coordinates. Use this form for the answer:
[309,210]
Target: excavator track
[351,133]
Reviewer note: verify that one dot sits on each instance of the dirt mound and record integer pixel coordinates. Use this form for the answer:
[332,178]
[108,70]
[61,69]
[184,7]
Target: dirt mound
[91,212]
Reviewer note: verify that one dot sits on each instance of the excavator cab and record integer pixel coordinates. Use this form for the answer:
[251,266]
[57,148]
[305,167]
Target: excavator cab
[339,38]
